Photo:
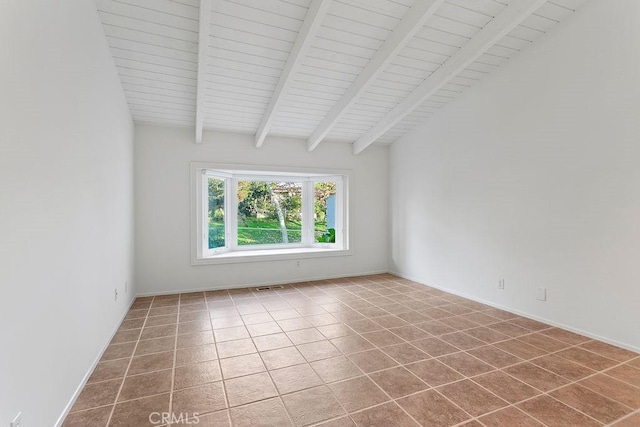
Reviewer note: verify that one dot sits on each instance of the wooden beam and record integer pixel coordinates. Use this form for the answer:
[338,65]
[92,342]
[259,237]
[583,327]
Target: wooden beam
[203,45]
[411,23]
[312,22]
[516,12]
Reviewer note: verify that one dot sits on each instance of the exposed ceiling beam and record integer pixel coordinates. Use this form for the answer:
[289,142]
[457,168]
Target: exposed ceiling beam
[203,44]
[312,22]
[516,12]
[413,21]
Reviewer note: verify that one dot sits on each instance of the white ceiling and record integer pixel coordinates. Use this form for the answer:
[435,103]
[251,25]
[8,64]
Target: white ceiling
[358,71]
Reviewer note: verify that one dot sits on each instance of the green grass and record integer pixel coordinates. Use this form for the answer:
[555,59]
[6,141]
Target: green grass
[260,231]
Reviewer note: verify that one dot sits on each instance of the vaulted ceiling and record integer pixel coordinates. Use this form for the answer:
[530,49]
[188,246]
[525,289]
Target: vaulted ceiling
[358,71]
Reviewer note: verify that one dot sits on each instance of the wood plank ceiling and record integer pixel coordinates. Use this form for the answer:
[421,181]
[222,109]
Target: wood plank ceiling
[358,71]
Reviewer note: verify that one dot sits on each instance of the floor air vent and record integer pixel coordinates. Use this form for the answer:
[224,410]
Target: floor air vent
[269,288]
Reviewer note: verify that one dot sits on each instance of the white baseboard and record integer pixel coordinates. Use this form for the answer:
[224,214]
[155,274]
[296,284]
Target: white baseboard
[256,284]
[529,315]
[67,408]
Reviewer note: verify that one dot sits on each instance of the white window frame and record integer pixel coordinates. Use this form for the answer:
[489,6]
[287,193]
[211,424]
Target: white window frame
[232,252]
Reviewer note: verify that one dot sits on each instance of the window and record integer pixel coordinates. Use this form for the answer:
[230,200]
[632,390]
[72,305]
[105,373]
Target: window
[243,213]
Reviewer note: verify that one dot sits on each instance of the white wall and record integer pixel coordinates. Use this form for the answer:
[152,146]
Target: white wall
[65,203]
[534,177]
[162,192]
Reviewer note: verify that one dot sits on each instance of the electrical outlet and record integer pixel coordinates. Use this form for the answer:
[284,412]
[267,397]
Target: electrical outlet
[17,421]
[501,284]
[116,294]
[541,295]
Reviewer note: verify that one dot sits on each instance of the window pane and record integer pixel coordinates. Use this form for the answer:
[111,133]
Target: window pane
[216,213]
[324,204]
[269,212]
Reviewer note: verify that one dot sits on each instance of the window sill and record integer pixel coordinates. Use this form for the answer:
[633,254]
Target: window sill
[270,255]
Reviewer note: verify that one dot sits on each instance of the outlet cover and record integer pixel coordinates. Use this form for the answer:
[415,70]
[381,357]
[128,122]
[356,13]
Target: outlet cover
[17,421]
[541,294]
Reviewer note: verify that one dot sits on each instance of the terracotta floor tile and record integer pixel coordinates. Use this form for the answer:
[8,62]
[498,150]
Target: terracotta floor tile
[458,323]
[563,367]
[466,364]
[227,322]
[372,360]
[410,333]
[382,338]
[435,347]
[241,365]
[285,314]
[506,387]
[632,421]
[532,325]
[303,336]
[230,334]
[435,327]
[250,388]
[191,327]
[389,414]
[335,369]
[151,332]
[143,385]
[566,336]
[358,393]
[127,335]
[272,342]
[140,412]
[255,318]
[196,374]
[318,350]
[90,418]
[587,358]
[398,382]
[520,349]
[635,363]
[295,378]
[156,345]
[431,409]
[97,394]
[471,397]
[480,318]
[195,339]
[591,403]
[625,373]
[338,422]
[613,389]
[131,324]
[266,413]
[118,351]
[499,314]
[494,356]
[203,353]
[109,370]
[335,331]
[163,311]
[405,353]
[434,372]
[610,351]
[555,414]
[462,340]
[201,399]
[322,319]
[487,335]
[161,320]
[543,342]
[535,376]
[365,325]
[351,344]
[294,324]
[312,406]
[261,329]
[235,348]
[509,417]
[281,358]
[390,321]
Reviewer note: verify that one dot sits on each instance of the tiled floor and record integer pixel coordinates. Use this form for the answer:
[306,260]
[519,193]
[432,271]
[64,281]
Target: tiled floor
[366,351]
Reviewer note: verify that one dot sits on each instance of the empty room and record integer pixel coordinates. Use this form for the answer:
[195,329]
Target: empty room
[320,213]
